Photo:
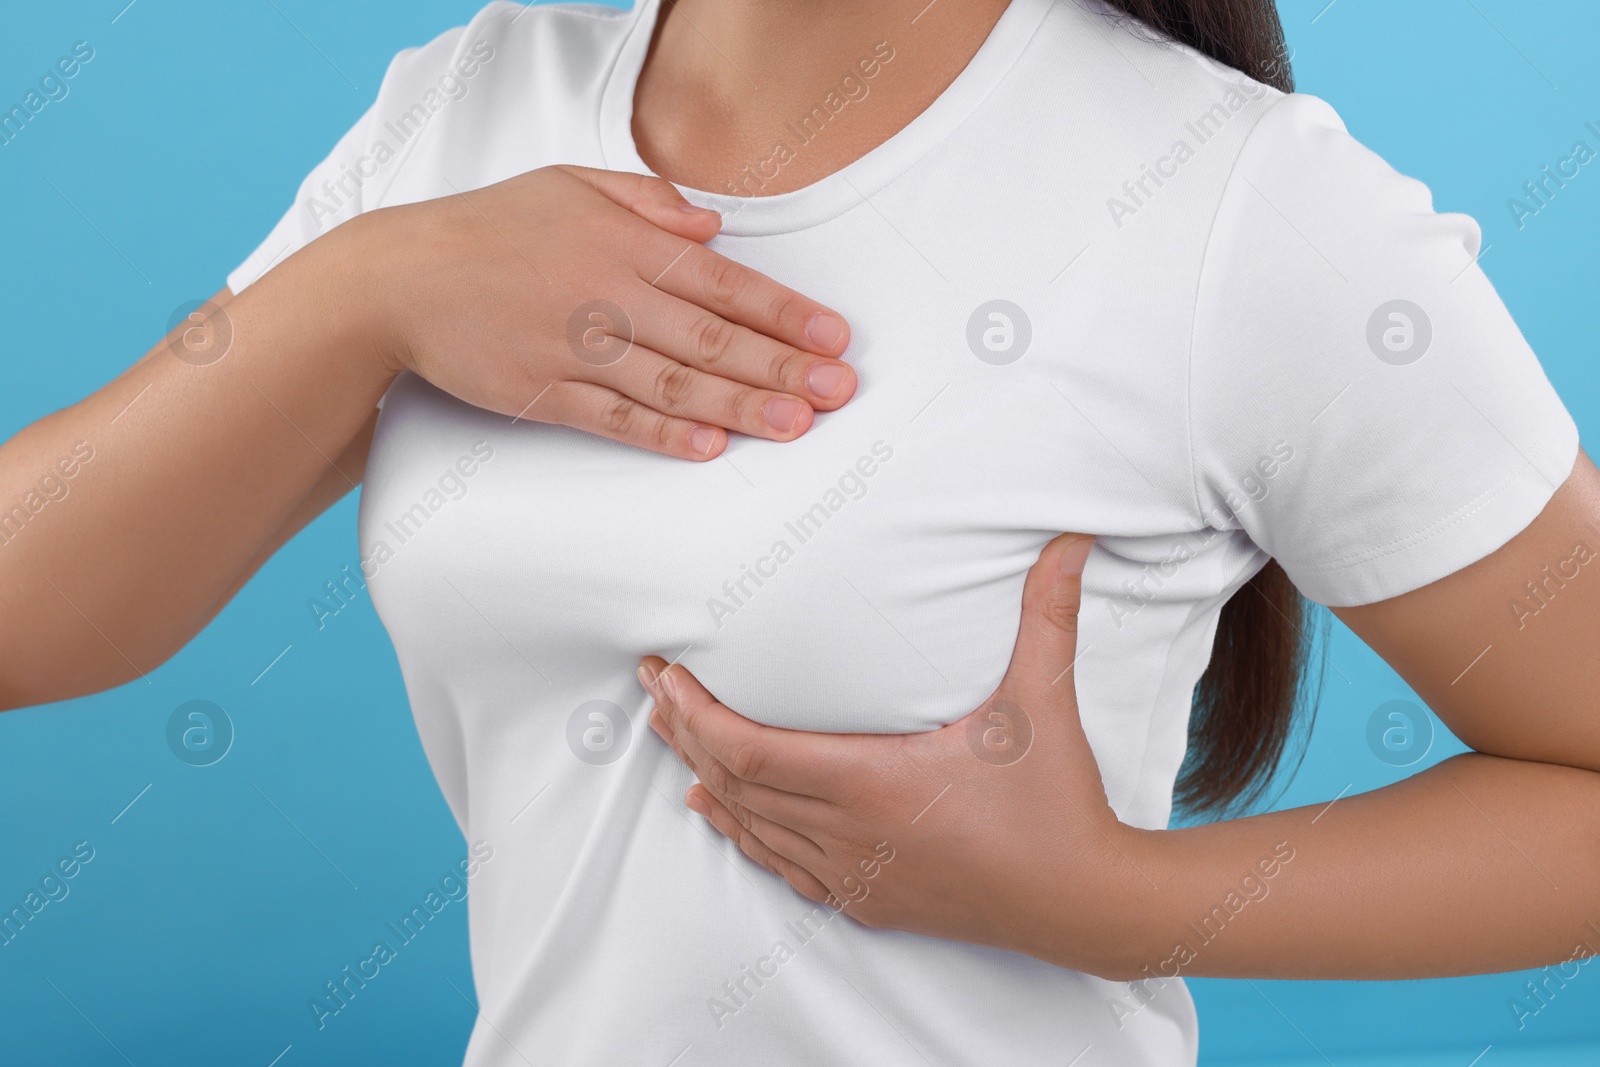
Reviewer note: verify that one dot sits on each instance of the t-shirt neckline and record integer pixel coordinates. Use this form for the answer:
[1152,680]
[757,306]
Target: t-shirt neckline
[845,188]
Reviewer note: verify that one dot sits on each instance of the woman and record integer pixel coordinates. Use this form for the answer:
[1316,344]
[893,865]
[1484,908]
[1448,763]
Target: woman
[1186,314]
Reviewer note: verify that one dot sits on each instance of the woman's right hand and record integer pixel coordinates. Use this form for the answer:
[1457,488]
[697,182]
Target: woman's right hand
[587,298]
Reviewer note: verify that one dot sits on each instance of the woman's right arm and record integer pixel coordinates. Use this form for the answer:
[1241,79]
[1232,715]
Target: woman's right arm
[130,518]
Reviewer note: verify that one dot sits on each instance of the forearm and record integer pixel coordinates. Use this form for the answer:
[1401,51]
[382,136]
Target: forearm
[1479,864]
[193,473]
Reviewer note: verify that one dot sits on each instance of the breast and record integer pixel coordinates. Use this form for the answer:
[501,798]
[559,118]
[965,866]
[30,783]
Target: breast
[836,583]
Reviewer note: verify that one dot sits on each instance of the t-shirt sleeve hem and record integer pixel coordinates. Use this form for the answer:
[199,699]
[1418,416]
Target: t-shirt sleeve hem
[1476,530]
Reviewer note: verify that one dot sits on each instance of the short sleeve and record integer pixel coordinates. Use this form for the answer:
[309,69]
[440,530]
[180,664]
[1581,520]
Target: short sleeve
[418,83]
[1361,403]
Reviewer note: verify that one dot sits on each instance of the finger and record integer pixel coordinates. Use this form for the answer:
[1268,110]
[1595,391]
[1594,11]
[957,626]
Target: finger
[803,814]
[794,761]
[799,813]
[603,411]
[655,200]
[778,835]
[707,341]
[748,297]
[658,723]
[681,391]
[1047,641]
[750,843]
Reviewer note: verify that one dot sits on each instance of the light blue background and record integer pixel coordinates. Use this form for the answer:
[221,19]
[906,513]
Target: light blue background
[221,900]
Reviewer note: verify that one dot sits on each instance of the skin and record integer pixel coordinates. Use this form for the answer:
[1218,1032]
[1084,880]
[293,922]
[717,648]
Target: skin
[1489,861]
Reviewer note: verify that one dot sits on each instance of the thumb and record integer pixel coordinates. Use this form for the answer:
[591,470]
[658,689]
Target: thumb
[1047,643]
[655,200]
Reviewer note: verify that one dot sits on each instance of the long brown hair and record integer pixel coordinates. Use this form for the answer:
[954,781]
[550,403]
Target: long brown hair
[1244,707]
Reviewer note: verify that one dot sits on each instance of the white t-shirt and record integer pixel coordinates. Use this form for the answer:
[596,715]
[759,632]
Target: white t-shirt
[1102,284]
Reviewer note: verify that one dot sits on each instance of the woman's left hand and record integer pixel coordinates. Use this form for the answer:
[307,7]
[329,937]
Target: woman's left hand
[965,832]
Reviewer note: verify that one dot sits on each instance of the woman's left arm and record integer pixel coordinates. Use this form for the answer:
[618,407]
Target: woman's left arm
[1489,861]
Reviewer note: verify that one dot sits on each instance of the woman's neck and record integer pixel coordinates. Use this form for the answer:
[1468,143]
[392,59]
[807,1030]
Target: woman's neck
[726,82]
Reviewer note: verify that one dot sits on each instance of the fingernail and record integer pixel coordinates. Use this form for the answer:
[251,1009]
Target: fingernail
[695,209]
[1074,555]
[782,413]
[669,684]
[702,439]
[825,330]
[826,379]
[697,804]
[646,679]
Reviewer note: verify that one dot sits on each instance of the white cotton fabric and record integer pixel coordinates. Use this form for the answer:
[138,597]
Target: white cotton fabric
[1204,270]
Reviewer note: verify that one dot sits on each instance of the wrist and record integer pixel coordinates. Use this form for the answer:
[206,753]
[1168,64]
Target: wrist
[1196,885]
[1146,923]
[351,273]
[1119,924]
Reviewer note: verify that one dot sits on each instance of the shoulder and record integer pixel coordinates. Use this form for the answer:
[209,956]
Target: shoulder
[1153,85]
[1300,150]
[1150,127]
[1159,88]
[579,37]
